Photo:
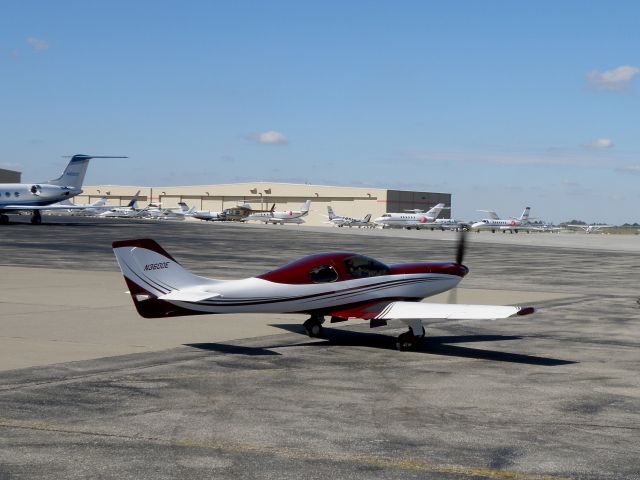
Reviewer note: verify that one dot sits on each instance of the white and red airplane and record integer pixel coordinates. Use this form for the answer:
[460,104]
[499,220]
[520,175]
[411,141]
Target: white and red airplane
[512,225]
[339,285]
[411,219]
[281,217]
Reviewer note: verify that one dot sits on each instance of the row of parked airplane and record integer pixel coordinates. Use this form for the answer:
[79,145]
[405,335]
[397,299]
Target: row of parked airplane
[55,194]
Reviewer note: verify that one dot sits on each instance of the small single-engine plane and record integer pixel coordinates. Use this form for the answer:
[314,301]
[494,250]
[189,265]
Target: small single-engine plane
[339,285]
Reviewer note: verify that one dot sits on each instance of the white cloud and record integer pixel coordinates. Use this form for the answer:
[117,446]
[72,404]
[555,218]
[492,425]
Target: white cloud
[37,44]
[630,169]
[615,80]
[270,138]
[600,143]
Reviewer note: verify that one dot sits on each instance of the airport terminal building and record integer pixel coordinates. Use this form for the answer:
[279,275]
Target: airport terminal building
[347,201]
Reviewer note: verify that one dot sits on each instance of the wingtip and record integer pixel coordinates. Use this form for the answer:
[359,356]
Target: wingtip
[526,311]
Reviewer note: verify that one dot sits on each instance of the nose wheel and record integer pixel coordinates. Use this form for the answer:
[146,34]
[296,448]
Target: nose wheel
[313,326]
[409,340]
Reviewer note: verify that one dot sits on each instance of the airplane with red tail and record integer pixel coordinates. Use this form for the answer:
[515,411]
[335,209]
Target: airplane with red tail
[338,285]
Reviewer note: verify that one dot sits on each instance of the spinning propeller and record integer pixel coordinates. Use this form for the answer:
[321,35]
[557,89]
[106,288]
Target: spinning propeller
[460,250]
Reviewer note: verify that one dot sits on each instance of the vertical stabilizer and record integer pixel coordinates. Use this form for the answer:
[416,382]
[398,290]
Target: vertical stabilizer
[435,211]
[524,218]
[73,175]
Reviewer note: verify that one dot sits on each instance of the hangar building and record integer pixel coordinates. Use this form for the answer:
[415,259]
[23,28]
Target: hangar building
[348,201]
[9,176]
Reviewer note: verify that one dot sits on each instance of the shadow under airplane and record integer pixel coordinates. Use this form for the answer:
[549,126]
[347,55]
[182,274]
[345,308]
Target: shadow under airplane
[435,345]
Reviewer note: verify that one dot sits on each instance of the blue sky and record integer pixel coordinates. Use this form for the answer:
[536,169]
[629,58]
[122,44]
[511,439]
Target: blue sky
[502,103]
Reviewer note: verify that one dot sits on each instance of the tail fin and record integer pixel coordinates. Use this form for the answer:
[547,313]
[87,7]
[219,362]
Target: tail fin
[435,211]
[330,212]
[367,218]
[150,272]
[306,206]
[73,175]
[183,207]
[132,202]
[525,215]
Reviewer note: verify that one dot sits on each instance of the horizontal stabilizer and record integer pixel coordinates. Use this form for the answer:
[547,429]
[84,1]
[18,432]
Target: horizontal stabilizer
[189,295]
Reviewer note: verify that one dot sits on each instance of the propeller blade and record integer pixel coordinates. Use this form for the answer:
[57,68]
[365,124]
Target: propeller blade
[462,239]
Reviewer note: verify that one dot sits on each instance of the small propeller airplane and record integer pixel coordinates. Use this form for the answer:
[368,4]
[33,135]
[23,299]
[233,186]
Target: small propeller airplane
[340,285]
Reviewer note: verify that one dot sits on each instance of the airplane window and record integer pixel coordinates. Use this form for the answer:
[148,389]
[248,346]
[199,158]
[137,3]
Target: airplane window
[360,266]
[323,274]
[7,194]
[17,194]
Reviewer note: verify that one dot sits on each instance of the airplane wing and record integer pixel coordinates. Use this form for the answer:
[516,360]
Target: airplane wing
[432,311]
[492,214]
[380,312]
[42,207]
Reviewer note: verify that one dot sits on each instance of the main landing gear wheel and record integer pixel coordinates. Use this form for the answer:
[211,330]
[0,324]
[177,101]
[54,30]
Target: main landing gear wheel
[313,326]
[408,339]
[36,218]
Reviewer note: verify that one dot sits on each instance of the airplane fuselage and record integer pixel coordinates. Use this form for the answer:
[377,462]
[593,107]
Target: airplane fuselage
[33,195]
[499,224]
[408,220]
[318,284]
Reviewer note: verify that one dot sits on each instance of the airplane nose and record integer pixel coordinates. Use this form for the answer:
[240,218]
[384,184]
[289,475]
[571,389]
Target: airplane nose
[459,269]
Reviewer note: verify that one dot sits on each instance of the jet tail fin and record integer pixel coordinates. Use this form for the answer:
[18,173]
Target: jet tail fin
[330,212]
[367,218]
[305,208]
[73,175]
[134,200]
[435,211]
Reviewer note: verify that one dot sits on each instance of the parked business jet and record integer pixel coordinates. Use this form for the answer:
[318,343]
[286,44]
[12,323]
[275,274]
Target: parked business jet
[24,197]
[339,285]
[202,214]
[411,219]
[591,228]
[158,213]
[341,221]
[513,225]
[281,217]
[84,209]
[449,224]
[129,210]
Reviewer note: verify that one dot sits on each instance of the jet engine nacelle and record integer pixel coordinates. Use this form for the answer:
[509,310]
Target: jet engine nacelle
[49,191]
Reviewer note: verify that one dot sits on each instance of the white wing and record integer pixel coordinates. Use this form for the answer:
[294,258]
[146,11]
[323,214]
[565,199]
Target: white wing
[42,207]
[427,311]
[492,214]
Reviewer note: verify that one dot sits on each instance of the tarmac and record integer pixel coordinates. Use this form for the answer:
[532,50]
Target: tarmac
[90,389]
